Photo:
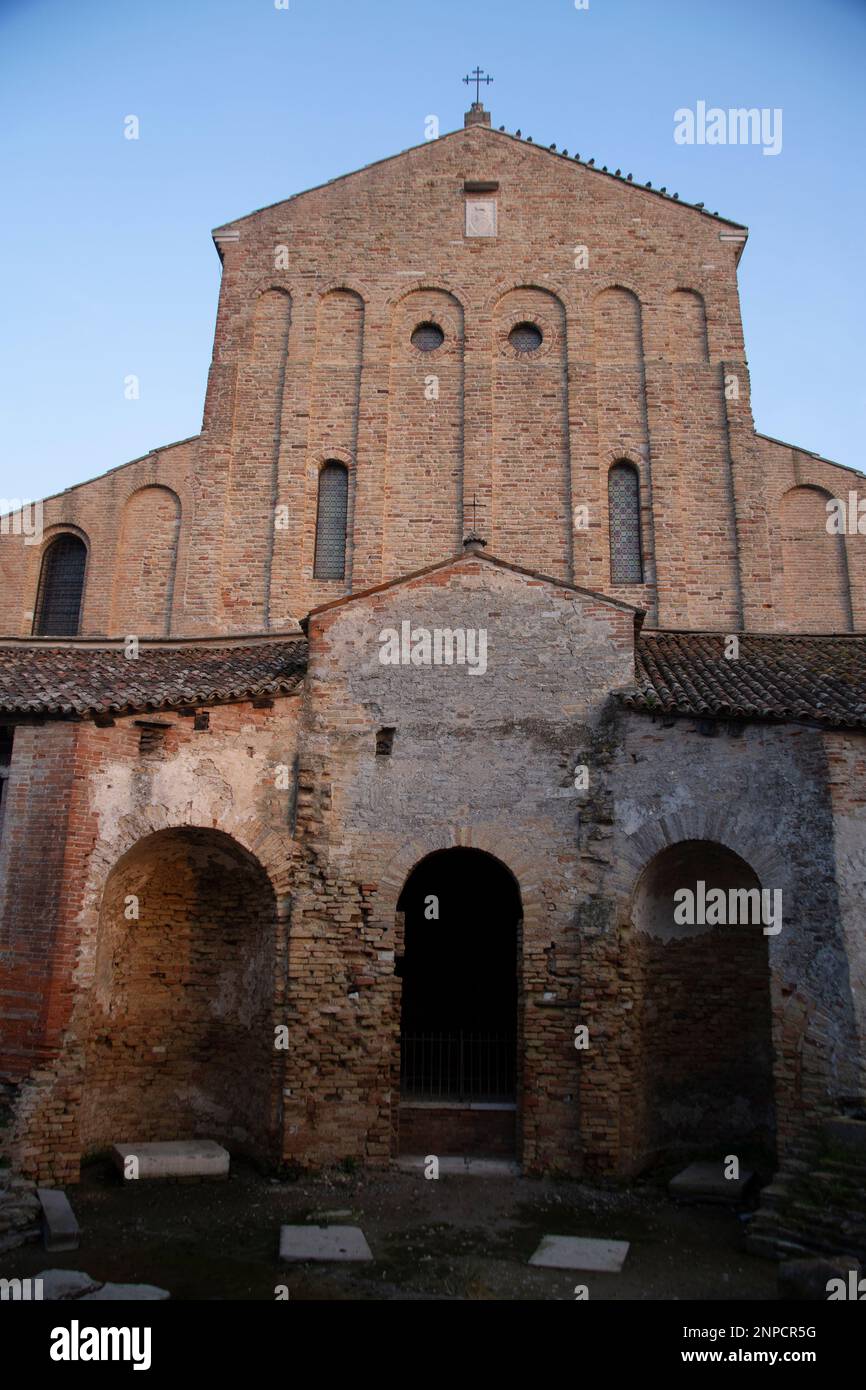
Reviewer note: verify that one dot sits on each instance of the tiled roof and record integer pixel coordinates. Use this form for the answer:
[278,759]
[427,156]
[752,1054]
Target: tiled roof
[775,676]
[77,679]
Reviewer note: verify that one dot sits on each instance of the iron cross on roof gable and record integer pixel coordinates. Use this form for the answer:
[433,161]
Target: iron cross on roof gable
[477,78]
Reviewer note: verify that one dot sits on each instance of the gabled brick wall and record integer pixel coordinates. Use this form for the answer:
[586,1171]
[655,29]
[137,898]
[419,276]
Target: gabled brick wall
[642,359]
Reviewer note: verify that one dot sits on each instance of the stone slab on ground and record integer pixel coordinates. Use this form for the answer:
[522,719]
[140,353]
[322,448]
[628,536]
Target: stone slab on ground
[474,1167]
[74,1286]
[60,1230]
[65,1283]
[323,1243]
[177,1158]
[125,1293]
[706,1182]
[581,1252]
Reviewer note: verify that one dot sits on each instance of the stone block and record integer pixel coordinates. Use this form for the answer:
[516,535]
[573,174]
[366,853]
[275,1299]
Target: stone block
[339,1243]
[65,1284]
[60,1230]
[581,1252]
[706,1182]
[185,1158]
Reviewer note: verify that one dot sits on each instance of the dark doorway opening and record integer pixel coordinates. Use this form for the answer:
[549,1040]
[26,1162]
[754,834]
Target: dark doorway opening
[458,1026]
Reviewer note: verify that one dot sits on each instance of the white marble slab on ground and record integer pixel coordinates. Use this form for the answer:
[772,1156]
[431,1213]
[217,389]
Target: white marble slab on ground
[177,1158]
[708,1181]
[581,1252]
[323,1243]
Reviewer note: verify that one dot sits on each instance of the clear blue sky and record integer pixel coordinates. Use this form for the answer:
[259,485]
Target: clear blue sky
[105,254]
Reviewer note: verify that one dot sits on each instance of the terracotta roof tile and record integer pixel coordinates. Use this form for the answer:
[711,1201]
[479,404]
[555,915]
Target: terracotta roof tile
[775,676]
[85,680]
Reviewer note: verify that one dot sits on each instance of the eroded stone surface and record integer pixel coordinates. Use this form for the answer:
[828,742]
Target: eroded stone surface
[324,1243]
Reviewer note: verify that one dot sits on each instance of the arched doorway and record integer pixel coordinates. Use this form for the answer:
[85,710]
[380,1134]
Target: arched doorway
[705,1069]
[180,1038]
[459,1006]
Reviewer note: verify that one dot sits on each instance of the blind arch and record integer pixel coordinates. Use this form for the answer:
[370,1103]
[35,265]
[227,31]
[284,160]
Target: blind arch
[626,552]
[61,587]
[331,521]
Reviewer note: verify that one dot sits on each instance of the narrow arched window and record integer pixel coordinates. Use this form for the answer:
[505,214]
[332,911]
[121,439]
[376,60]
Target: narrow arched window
[61,586]
[333,509]
[623,496]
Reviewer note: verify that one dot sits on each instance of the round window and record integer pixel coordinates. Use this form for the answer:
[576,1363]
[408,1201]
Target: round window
[427,337]
[526,337]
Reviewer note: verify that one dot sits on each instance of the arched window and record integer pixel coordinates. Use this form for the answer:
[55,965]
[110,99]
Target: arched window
[330,562]
[623,496]
[61,586]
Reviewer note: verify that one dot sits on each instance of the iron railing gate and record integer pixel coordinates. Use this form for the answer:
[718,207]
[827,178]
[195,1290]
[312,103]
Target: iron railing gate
[458,1066]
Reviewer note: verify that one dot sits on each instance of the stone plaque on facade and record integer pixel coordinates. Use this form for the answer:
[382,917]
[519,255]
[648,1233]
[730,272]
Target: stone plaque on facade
[481,217]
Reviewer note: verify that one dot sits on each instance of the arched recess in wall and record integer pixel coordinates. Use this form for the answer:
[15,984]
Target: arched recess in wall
[816,596]
[705,1054]
[531,505]
[332,518]
[146,563]
[253,485]
[624,524]
[60,594]
[336,375]
[617,327]
[261,414]
[687,327]
[178,1036]
[423,487]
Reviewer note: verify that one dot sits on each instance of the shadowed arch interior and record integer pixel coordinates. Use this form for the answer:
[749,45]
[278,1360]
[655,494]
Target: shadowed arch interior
[706,1055]
[459,971]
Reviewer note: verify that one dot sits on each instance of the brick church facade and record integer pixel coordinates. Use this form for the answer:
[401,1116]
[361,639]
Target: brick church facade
[276,871]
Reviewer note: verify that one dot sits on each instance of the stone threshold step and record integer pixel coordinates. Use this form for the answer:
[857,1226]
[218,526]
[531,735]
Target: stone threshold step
[454,1166]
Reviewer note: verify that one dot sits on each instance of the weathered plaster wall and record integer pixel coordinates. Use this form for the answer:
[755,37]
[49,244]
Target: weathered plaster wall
[482,760]
[761,791]
[221,779]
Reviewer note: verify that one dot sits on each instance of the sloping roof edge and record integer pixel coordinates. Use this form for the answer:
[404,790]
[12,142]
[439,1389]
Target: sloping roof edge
[569,160]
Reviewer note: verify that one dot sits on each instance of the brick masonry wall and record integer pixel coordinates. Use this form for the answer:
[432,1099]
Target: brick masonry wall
[97,993]
[180,1039]
[846,764]
[486,761]
[762,792]
[450,1131]
[643,359]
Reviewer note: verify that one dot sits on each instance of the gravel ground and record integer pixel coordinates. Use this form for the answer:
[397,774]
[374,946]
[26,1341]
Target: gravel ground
[457,1237]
